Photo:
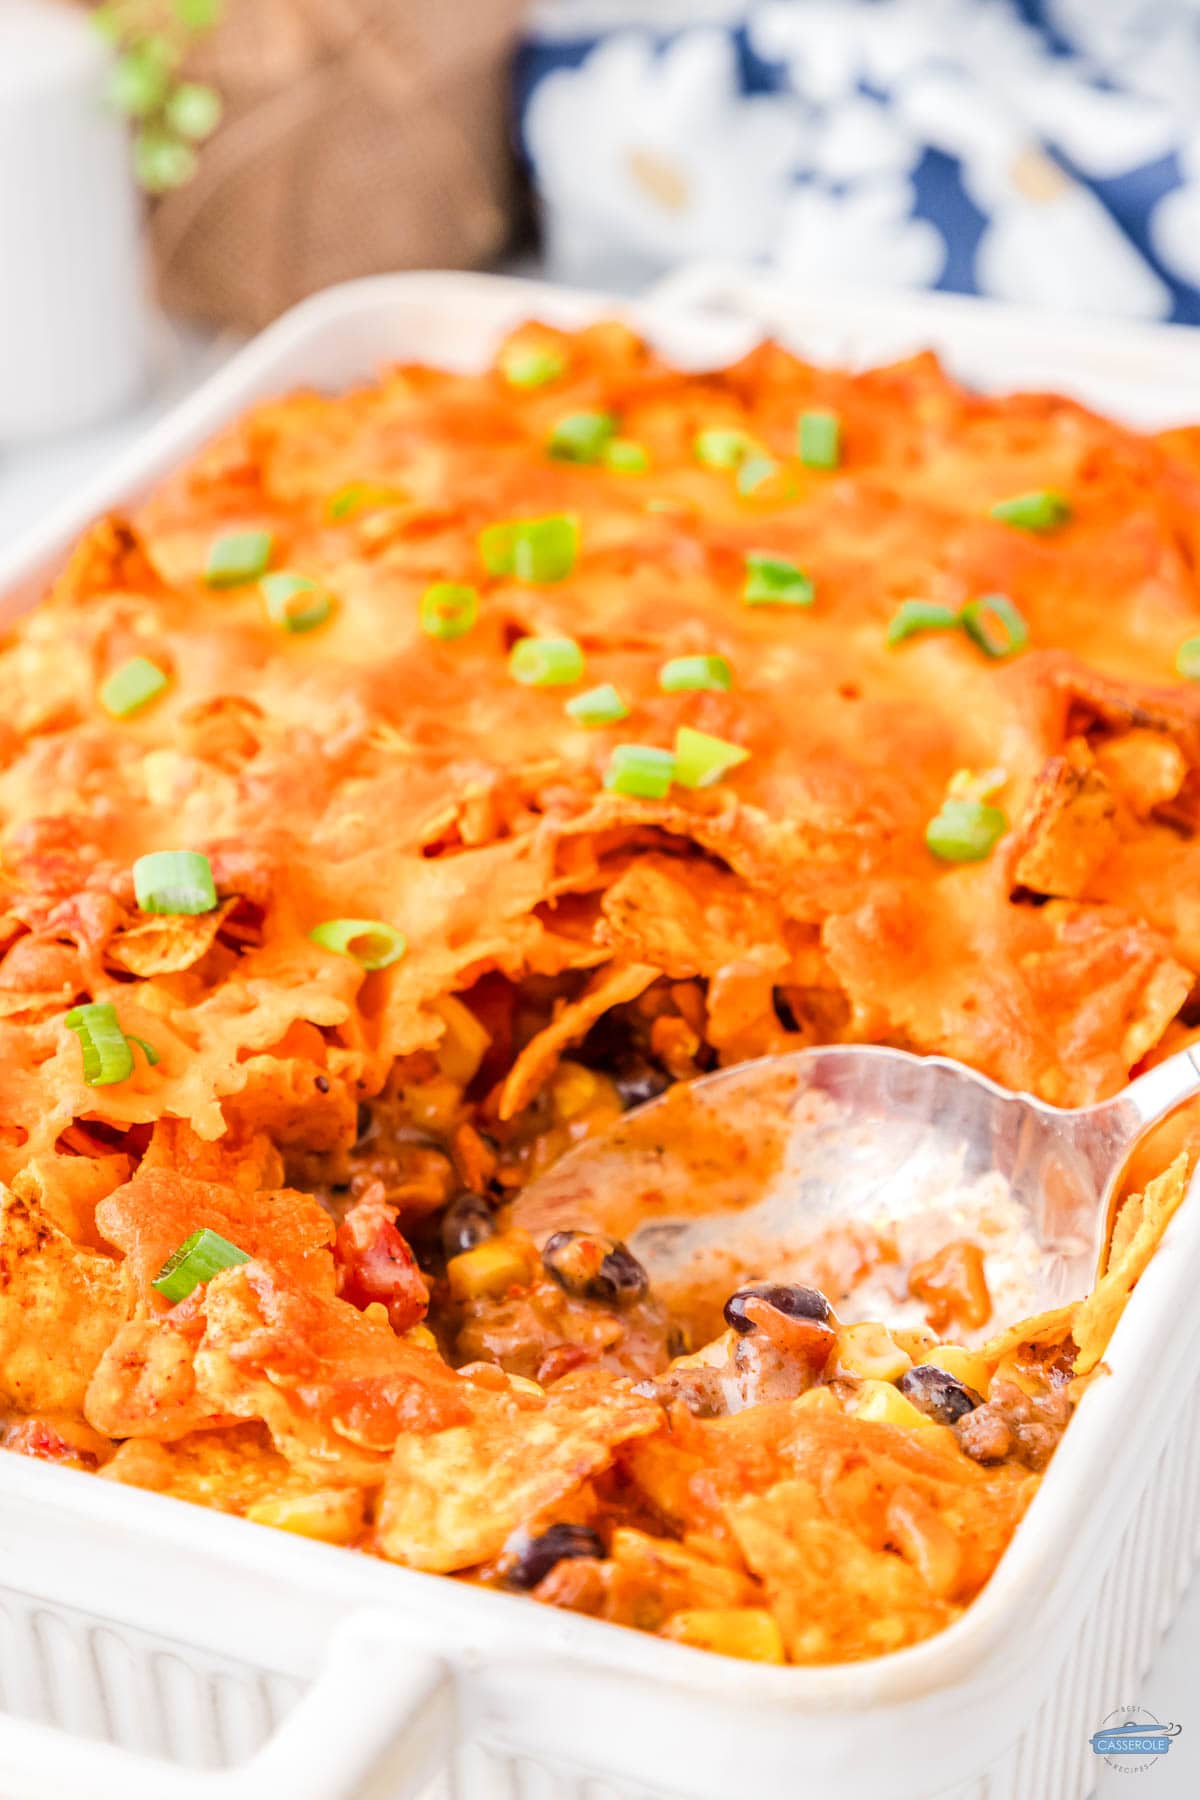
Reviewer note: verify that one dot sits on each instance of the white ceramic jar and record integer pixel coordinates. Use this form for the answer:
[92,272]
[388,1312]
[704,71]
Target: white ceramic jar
[73,303]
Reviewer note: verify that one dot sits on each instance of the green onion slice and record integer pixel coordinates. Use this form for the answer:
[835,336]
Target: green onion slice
[545,662]
[295,602]
[360,497]
[690,674]
[722,447]
[598,706]
[449,609]
[773,581]
[237,557]
[371,942]
[754,471]
[626,456]
[107,1057]
[819,440]
[196,1261]
[131,687]
[641,770]
[1038,511]
[532,368]
[965,830]
[580,437]
[701,760]
[914,616]
[1187,659]
[531,549]
[174,881]
[994,623]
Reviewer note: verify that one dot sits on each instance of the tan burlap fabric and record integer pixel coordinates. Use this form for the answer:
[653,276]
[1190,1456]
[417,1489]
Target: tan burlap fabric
[358,135]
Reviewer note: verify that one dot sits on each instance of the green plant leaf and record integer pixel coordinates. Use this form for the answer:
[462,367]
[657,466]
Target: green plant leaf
[141,78]
[198,15]
[194,110]
[162,162]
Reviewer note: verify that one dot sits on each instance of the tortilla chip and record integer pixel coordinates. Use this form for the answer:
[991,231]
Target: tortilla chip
[165,943]
[59,1306]
[836,1599]
[149,1217]
[335,1387]
[1053,1327]
[689,918]
[611,986]
[1149,1215]
[1068,827]
[451,1500]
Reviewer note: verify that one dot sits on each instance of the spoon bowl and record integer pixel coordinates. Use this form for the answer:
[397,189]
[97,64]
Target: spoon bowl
[842,1166]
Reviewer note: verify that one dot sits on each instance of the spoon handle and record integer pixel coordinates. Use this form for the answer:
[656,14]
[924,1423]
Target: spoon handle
[1160,1090]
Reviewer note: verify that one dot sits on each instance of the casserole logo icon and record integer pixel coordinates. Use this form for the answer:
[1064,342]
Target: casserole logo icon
[1131,1738]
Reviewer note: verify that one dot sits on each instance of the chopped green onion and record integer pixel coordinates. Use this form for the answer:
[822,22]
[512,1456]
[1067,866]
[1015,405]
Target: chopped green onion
[531,549]
[1187,659]
[754,471]
[581,437]
[148,1051]
[626,456]
[174,881]
[598,706]
[1039,511]
[196,1261]
[819,439]
[701,760]
[107,1057]
[295,602]
[378,945]
[449,609]
[360,497]
[237,557]
[721,448]
[532,368]
[965,830]
[640,769]
[914,616]
[131,686]
[773,581]
[994,623]
[688,674]
[545,662]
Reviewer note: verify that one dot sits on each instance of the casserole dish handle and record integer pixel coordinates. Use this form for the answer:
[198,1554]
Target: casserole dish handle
[376,1724]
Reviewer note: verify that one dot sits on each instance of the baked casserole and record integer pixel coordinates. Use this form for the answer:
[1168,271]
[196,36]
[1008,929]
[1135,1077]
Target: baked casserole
[427,775]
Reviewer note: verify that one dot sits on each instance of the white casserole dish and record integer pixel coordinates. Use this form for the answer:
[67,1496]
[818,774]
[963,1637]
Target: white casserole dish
[135,1629]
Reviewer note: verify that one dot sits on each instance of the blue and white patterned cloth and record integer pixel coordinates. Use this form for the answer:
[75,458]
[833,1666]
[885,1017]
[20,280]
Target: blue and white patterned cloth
[1044,151]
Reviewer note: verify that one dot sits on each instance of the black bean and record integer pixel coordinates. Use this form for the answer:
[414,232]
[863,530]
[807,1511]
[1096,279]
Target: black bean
[637,1079]
[321,1083]
[537,1556]
[467,1221]
[942,1396]
[793,1302]
[593,1267]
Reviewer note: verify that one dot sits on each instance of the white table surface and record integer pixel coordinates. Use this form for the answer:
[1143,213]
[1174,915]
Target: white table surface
[36,476]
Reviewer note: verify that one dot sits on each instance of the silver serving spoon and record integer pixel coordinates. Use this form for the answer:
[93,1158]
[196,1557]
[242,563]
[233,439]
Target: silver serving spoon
[785,1167]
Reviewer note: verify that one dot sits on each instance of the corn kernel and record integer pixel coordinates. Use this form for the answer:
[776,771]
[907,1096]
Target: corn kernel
[420,1335]
[332,1516]
[573,1089]
[886,1405]
[1011,1370]
[964,1365]
[746,1631]
[489,1269]
[524,1385]
[464,1041]
[914,1341]
[868,1352]
[819,1399]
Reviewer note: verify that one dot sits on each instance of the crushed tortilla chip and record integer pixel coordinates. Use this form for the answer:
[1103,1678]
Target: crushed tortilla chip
[1149,1214]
